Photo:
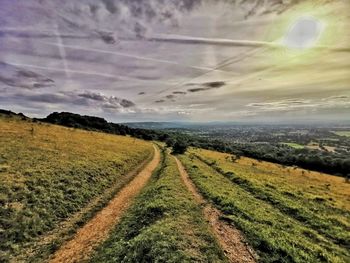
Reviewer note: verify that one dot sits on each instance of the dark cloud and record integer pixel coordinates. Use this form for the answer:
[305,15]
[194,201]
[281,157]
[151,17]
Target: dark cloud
[214,84]
[107,37]
[131,16]
[197,89]
[16,77]
[179,92]
[93,8]
[261,7]
[142,93]
[159,101]
[110,6]
[126,103]
[256,104]
[108,101]
[93,96]
[206,86]
[170,97]
[339,97]
[86,99]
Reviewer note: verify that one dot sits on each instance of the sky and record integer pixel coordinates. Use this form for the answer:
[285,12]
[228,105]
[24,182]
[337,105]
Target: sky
[177,60]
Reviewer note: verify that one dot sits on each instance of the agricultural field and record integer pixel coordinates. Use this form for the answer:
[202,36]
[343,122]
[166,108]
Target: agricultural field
[164,224]
[286,213]
[53,179]
[294,145]
[342,133]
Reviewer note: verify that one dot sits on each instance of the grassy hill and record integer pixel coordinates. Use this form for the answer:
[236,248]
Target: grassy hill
[164,225]
[287,214]
[54,178]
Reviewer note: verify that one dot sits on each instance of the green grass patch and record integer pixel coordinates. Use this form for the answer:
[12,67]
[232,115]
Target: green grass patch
[49,173]
[312,213]
[277,236]
[294,145]
[342,133]
[163,225]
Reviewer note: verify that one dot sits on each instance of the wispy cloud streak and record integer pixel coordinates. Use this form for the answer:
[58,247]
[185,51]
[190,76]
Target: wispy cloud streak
[128,56]
[82,72]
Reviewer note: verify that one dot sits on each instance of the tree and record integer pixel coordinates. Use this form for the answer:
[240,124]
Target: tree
[169,142]
[180,147]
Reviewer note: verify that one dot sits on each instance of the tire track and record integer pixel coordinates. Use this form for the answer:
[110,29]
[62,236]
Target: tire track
[230,239]
[96,230]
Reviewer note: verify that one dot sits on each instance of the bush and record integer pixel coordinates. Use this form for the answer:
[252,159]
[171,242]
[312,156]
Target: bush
[179,147]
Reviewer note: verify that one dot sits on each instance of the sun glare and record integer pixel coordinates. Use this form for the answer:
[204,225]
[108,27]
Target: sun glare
[307,31]
[303,33]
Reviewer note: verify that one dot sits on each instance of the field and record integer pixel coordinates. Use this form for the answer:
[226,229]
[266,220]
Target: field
[53,179]
[343,133]
[294,145]
[164,225]
[61,184]
[287,214]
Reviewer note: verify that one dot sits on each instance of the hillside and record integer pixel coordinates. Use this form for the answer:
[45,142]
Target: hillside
[286,213]
[54,178]
[72,195]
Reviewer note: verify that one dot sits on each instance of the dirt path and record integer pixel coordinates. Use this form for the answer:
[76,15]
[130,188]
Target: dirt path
[62,230]
[96,230]
[230,238]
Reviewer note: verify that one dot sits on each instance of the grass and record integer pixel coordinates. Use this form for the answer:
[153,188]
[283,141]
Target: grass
[310,185]
[164,225]
[294,145]
[268,203]
[342,133]
[50,173]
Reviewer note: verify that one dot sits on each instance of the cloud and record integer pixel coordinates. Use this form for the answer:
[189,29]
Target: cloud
[106,46]
[288,105]
[51,98]
[121,16]
[206,86]
[109,4]
[123,54]
[188,40]
[214,84]
[17,77]
[83,100]
[198,89]
[110,102]
[281,104]
[261,7]
[338,97]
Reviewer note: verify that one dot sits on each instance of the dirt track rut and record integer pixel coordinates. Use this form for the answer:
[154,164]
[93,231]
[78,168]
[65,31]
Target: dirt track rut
[230,239]
[96,230]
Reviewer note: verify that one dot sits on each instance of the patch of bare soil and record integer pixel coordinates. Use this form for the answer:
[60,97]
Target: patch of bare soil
[96,230]
[230,239]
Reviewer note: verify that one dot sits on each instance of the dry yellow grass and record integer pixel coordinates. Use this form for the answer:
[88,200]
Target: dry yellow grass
[286,213]
[48,173]
[312,184]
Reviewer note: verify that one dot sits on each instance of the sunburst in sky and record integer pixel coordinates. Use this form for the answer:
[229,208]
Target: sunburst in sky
[193,60]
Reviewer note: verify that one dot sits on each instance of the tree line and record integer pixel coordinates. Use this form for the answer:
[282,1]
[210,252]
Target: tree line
[327,162]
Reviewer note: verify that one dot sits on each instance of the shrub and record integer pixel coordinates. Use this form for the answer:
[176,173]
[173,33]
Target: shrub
[179,147]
